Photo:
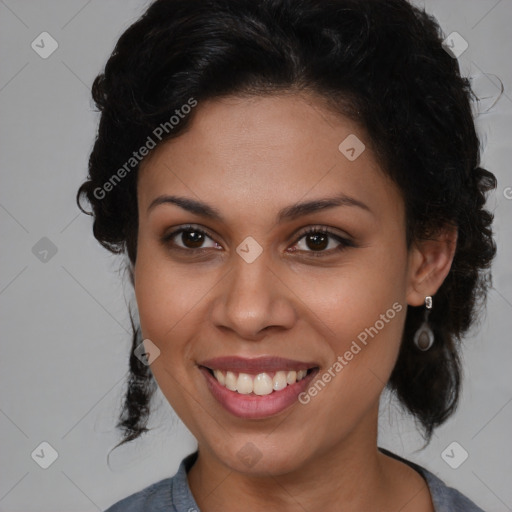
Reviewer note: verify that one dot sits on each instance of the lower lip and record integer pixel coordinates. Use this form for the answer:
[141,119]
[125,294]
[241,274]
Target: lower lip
[254,406]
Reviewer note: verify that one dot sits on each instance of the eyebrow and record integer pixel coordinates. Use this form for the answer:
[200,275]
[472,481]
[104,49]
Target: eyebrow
[286,214]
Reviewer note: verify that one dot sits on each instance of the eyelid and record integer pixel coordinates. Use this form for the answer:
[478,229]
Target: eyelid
[322,229]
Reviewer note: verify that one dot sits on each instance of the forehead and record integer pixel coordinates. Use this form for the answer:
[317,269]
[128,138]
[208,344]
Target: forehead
[264,153]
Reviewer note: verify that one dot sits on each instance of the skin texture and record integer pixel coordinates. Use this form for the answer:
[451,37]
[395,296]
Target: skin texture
[248,158]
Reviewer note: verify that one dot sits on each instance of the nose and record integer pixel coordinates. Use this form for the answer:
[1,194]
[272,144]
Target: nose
[252,300]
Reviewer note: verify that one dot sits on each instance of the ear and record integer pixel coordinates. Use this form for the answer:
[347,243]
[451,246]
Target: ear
[430,261]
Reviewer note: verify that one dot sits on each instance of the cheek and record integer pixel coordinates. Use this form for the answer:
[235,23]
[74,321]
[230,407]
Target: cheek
[352,298]
[360,310]
[166,295]
[166,300]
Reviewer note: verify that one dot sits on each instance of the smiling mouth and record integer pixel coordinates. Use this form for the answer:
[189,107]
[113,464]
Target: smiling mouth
[259,384]
[257,388]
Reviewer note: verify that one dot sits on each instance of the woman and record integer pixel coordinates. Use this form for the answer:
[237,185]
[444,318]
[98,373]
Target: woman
[297,187]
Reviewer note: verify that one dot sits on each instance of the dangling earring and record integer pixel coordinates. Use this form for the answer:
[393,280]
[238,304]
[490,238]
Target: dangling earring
[424,337]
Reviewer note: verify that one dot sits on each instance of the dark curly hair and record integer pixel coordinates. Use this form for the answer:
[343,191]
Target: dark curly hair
[379,63]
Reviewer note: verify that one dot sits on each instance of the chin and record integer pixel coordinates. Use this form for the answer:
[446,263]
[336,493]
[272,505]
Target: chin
[261,456]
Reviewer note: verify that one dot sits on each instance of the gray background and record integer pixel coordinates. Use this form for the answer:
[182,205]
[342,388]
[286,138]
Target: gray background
[65,326]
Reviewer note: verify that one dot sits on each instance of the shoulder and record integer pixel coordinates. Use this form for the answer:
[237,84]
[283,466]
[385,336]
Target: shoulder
[447,499]
[444,498]
[154,498]
[168,494]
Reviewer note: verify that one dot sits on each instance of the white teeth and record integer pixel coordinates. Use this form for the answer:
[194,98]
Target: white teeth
[244,384]
[279,381]
[220,377]
[230,381]
[260,384]
[291,377]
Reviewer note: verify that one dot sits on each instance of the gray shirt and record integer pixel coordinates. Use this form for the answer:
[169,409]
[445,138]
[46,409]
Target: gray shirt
[173,494]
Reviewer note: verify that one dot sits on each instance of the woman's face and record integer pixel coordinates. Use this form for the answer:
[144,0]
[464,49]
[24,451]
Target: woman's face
[255,286]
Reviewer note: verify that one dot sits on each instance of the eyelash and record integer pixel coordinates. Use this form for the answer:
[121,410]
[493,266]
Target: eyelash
[167,240]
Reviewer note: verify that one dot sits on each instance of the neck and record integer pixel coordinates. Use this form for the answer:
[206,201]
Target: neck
[352,476]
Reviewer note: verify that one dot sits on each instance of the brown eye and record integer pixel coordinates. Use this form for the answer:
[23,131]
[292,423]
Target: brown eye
[192,239]
[321,241]
[189,238]
[317,241]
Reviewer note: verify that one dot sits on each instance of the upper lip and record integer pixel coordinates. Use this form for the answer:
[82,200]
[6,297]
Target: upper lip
[256,364]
